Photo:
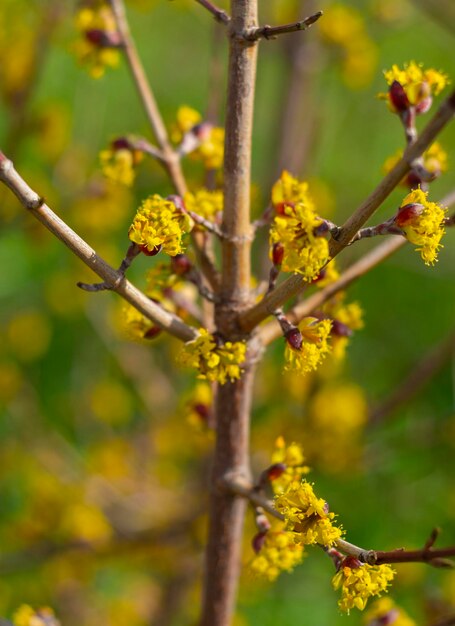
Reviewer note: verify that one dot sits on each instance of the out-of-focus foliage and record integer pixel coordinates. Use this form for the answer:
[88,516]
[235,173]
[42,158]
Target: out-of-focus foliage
[104,443]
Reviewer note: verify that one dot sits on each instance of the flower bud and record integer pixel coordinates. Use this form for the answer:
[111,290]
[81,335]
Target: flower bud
[281,206]
[202,130]
[407,214]
[339,329]
[121,143]
[294,338]
[398,97]
[148,252]
[180,264]
[350,561]
[277,254]
[152,332]
[203,410]
[275,471]
[102,38]
[258,541]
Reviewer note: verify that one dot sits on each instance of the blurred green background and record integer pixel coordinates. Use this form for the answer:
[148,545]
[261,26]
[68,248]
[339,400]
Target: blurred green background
[95,445]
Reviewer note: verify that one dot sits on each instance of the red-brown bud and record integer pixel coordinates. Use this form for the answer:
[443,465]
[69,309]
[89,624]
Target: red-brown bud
[258,541]
[277,254]
[407,213]
[294,338]
[203,410]
[152,332]
[351,561]
[180,264]
[148,252]
[281,206]
[398,96]
[102,38]
[202,130]
[339,329]
[275,471]
[121,143]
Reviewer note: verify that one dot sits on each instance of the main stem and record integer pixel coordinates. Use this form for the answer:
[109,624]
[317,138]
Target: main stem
[233,402]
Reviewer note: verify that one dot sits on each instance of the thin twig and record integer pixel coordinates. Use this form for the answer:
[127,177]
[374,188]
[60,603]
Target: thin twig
[270,32]
[294,285]
[218,14]
[115,279]
[428,554]
[170,158]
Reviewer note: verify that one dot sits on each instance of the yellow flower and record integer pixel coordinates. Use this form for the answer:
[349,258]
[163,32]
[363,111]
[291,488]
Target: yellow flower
[216,361]
[422,223]
[313,346]
[294,228]
[159,224]
[385,611]
[26,616]
[307,515]
[98,29]
[359,581]
[160,279]
[198,407]
[119,161]
[278,552]
[417,84]
[292,457]
[434,160]
[207,204]
[186,119]
[211,149]
[136,326]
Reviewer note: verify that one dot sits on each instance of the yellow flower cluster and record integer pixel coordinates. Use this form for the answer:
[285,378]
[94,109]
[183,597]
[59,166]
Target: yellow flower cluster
[385,611]
[306,515]
[346,318]
[208,204]
[159,224]
[136,326]
[160,279]
[359,581]
[422,223]
[314,347]
[118,164]
[292,457]
[210,149]
[26,616]
[216,361]
[344,27]
[294,229]
[93,24]
[417,83]
[198,407]
[434,160]
[278,553]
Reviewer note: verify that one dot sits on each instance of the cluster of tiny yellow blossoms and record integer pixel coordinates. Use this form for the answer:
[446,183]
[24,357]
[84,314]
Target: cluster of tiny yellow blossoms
[418,84]
[313,349]
[96,23]
[198,406]
[422,222]
[359,581]
[306,515]
[160,279]
[118,164]
[210,147]
[294,228]
[385,611]
[208,204]
[343,26]
[434,160]
[292,458]
[279,552]
[158,224]
[346,318]
[215,360]
[136,326]
[26,616]
[328,275]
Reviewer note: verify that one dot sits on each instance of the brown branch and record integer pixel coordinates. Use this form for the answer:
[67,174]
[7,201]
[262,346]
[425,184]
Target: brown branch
[413,384]
[169,156]
[294,285]
[233,400]
[115,279]
[218,14]
[428,554]
[270,32]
